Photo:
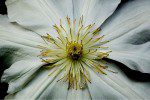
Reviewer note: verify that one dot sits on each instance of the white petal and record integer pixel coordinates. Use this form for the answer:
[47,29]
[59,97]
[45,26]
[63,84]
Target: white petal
[39,15]
[10,29]
[56,91]
[106,87]
[83,94]
[20,73]
[130,16]
[133,48]
[142,89]
[42,87]
[128,32]
[11,35]
[94,11]
[99,89]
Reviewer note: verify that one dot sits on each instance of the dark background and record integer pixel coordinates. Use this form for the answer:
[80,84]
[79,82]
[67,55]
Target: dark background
[3,9]
[3,86]
[131,74]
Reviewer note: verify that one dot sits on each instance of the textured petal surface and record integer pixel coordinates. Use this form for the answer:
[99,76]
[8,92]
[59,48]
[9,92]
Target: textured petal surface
[42,87]
[133,49]
[79,94]
[99,89]
[40,15]
[112,86]
[12,36]
[129,35]
[94,11]
[130,16]
[20,73]
[116,86]
[136,89]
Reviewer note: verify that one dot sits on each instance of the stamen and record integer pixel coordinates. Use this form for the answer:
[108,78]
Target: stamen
[57,28]
[73,51]
[61,40]
[78,34]
[58,45]
[88,41]
[41,47]
[68,20]
[71,34]
[104,42]
[96,31]
[62,27]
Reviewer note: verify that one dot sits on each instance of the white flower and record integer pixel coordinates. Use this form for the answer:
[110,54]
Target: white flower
[61,45]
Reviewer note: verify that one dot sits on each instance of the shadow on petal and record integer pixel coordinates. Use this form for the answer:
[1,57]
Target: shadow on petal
[139,38]
[6,56]
[131,74]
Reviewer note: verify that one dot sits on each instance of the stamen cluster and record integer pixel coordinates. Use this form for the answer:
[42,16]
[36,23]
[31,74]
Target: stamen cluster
[76,49]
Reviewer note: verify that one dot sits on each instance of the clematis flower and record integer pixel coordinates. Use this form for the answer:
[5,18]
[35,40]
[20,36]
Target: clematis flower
[60,49]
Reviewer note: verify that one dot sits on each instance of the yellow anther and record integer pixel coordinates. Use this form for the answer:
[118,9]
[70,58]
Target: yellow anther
[56,28]
[68,21]
[96,31]
[78,34]
[81,20]
[74,22]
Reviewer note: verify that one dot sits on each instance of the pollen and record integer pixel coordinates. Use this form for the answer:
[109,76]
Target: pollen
[76,49]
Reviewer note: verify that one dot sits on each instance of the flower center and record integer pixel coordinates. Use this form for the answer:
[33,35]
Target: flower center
[74,50]
[77,49]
